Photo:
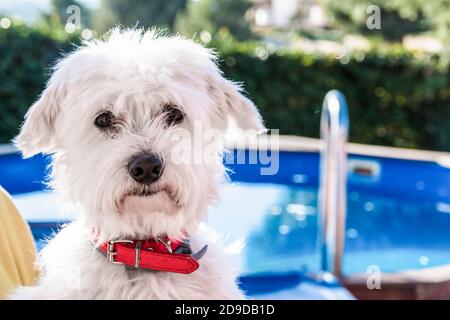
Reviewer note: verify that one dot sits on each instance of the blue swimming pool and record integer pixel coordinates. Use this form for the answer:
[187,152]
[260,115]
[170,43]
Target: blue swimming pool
[398,212]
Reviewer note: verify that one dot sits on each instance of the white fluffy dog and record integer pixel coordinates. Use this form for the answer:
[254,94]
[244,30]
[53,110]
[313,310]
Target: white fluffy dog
[119,117]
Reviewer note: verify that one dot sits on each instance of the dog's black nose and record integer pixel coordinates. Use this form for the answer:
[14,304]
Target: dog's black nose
[145,168]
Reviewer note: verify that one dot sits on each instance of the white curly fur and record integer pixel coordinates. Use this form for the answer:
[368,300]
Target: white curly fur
[134,74]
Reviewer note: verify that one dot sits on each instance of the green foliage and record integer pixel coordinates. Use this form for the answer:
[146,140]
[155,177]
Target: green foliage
[398,17]
[394,98]
[146,13]
[26,55]
[214,15]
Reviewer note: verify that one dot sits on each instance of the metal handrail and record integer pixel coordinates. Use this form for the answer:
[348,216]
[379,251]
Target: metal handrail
[334,126]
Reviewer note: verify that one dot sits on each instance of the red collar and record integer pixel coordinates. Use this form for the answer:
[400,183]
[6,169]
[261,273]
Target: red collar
[154,254]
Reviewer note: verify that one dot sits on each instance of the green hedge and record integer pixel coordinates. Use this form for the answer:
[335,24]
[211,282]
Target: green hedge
[26,56]
[394,98]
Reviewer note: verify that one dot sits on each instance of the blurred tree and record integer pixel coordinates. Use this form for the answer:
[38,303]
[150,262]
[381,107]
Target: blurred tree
[398,17]
[212,15]
[144,13]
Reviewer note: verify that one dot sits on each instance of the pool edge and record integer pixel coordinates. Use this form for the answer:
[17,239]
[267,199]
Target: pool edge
[424,284]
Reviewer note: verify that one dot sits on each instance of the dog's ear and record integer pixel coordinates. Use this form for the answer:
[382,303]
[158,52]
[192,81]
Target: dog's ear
[37,132]
[233,107]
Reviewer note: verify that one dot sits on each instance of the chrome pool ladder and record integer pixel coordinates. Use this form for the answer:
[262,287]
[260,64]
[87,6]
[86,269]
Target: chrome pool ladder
[334,126]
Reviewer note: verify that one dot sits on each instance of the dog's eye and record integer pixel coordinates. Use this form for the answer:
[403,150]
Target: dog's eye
[104,120]
[173,115]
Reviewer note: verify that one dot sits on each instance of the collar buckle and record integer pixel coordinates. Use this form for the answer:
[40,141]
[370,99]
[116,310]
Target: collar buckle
[110,252]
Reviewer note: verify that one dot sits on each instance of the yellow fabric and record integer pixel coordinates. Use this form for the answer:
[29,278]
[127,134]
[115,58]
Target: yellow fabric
[17,248]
